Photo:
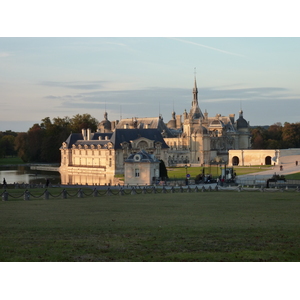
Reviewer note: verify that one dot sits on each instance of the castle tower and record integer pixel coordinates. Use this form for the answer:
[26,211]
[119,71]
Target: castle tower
[105,125]
[195,112]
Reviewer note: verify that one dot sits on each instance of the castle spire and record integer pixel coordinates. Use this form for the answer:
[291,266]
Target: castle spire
[195,112]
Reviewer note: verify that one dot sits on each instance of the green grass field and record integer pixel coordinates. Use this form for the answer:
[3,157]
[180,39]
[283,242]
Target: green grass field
[215,171]
[215,226]
[295,176]
[11,161]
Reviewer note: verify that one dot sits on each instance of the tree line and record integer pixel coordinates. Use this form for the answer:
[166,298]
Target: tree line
[276,136]
[42,141]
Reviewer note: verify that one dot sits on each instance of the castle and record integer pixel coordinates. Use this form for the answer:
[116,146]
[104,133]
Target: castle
[192,138]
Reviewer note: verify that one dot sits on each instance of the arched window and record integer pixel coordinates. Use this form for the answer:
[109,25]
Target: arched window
[142,145]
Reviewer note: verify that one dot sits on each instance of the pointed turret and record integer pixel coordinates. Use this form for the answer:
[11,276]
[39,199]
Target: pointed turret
[195,112]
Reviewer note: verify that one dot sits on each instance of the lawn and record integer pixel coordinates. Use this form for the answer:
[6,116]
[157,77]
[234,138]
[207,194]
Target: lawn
[211,226]
[215,171]
[11,161]
[295,176]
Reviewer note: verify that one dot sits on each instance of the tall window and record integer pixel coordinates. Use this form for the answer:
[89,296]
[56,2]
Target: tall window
[110,162]
[137,172]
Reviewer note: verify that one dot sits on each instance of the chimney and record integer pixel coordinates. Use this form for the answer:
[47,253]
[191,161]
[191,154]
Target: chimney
[113,125]
[83,134]
[88,134]
[178,121]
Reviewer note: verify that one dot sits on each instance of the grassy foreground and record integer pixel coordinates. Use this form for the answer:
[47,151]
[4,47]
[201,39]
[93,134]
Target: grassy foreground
[215,226]
[215,171]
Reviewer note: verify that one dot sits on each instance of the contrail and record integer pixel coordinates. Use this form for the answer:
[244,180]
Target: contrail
[204,46]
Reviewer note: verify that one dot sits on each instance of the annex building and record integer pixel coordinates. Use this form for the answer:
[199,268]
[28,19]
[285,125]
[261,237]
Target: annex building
[192,138]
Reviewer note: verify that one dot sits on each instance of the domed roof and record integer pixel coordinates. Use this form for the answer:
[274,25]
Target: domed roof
[217,123]
[105,123]
[241,122]
[172,122]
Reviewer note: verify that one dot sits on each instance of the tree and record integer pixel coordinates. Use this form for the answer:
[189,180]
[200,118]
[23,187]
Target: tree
[78,122]
[258,135]
[7,145]
[291,135]
[21,146]
[276,136]
[275,132]
[42,141]
[35,138]
[46,123]
[52,140]
[163,172]
[62,122]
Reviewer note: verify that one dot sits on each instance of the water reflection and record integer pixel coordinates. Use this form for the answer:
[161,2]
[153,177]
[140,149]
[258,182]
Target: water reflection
[23,174]
[88,179]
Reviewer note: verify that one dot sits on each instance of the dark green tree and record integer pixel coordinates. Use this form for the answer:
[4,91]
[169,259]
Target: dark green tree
[35,140]
[85,121]
[7,144]
[21,146]
[163,170]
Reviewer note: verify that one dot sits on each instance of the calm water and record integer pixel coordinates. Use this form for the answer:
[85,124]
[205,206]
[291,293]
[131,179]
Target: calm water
[24,174]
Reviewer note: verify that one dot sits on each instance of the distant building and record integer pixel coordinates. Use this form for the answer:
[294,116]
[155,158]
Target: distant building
[200,139]
[192,138]
[98,153]
[141,168]
[262,156]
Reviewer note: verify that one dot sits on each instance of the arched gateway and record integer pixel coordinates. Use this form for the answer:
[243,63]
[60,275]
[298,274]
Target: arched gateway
[268,160]
[235,161]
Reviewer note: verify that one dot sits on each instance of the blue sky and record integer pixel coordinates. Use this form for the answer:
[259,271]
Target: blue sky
[131,77]
[146,72]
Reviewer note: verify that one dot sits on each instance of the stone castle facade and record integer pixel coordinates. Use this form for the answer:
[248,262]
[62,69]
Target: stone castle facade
[193,138]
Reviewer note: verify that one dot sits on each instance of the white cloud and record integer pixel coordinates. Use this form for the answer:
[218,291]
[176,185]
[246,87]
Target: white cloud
[208,47]
[4,54]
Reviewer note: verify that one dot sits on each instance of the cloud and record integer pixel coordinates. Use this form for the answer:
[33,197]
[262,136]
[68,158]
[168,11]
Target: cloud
[266,93]
[80,85]
[208,47]
[50,97]
[144,102]
[5,54]
[152,101]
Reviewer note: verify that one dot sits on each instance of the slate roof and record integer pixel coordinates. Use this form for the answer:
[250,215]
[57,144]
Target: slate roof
[241,123]
[117,137]
[145,157]
[141,123]
[126,135]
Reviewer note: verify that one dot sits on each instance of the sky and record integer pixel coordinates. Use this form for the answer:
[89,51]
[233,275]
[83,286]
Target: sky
[146,76]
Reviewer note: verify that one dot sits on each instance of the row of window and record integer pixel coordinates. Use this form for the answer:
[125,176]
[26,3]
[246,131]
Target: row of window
[89,152]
